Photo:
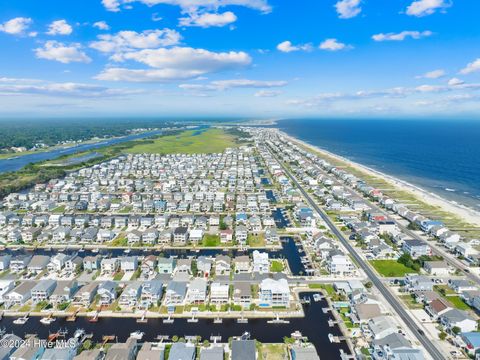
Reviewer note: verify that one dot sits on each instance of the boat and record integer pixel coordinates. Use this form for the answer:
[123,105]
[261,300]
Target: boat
[245,336]
[296,335]
[331,338]
[137,335]
[96,250]
[127,251]
[79,333]
[47,320]
[317,297]
[21,321]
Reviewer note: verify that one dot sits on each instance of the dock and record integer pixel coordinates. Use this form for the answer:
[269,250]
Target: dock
[143,319]
[277,320]
[72,317]
[169,320]
[332,323]
[215,339]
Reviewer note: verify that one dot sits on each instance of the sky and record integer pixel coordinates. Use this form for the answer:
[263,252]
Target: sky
[240,58]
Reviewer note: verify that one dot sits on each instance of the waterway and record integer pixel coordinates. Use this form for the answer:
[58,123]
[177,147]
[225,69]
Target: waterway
[314,326]
[16,163]
[288,251]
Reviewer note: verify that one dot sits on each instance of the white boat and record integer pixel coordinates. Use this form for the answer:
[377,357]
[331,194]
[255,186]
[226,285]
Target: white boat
[21,321]
[137,335]
[47,320]
[78,333]
[317,297]
[127,251]
[296,335]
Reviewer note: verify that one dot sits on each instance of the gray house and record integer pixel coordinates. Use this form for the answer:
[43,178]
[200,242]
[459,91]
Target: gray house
[182,351]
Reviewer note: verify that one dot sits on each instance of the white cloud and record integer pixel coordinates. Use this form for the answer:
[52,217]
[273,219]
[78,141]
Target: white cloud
[13,86]
[471,67]
[287,47]
[132,40]
[455,82]
[347,9]
[101,25]
[401,36]
[146,75]
[434,74]
[454,85]
[426,7]
[178,63]
[17,26]
[206,20]
[267,93]
[332,45]
[57,51]
[193,5]
[188,58]
[59,27]
[221,85]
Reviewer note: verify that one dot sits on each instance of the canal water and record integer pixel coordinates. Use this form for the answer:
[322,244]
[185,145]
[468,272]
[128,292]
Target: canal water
[288,251]
[16,163]
[314,326]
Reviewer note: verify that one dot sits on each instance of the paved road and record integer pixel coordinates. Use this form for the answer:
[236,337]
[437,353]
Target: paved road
[451,260]
[419,334]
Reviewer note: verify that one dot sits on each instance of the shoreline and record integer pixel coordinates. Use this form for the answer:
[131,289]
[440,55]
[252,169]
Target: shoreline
[464,212]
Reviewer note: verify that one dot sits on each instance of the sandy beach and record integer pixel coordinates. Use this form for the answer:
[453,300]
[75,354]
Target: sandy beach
[463,212]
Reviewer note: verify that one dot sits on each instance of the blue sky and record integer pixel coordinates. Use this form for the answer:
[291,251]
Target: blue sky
[255,58]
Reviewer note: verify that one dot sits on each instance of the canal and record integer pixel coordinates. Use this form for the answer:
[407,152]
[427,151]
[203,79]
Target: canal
[288,251]
[314,326]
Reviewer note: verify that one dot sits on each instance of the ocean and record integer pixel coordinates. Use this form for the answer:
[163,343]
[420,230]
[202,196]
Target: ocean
[441,156]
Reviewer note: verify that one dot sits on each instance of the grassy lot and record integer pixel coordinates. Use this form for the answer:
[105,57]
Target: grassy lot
[410,302]
[276,266]
[450,295]
[59,209]
[120,240]
[188,142]
[391,268]
[272,351]
[211,240]
[255,241]
[457,302]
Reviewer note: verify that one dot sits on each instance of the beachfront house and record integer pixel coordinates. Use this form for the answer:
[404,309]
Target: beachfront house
[416,248]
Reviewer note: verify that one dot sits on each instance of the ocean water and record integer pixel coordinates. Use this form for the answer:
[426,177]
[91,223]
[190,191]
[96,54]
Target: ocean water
[441,156]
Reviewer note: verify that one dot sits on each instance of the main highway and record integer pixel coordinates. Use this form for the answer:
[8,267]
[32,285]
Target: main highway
[394,303]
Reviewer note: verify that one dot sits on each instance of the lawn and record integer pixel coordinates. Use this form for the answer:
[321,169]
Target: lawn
[391,268]
[276,266]
[255,240]
[457,302]
[410,302]
[211,240]
[188,142]
[272,351]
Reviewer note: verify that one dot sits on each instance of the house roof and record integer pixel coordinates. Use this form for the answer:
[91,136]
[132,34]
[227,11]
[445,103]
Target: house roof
[243,350]
[181,351]
[212,353]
